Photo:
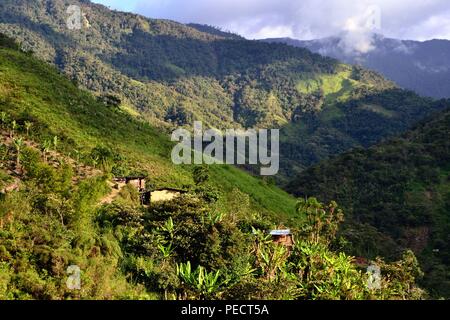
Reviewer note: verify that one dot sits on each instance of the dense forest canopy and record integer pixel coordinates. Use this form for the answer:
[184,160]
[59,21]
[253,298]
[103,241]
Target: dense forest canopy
[421,66]
[396,196]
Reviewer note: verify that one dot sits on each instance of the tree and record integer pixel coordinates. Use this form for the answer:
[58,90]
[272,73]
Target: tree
[322,222]
[18,145]
[201,175]
[55,143]
[28,126]
[46,147]
[13,128]
[110,100]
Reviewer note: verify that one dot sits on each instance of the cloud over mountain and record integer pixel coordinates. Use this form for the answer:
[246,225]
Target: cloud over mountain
[306,19]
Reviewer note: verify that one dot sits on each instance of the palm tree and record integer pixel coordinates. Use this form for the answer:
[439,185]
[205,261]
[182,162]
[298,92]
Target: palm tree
[13,128]
[18,144]
[55,142]
[28,126]
[3,118]
[46,146]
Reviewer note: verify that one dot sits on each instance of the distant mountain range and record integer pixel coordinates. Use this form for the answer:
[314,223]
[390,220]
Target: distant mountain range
[420,66]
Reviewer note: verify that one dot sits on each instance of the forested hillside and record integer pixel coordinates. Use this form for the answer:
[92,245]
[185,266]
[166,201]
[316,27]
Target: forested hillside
[61,147]
[171,74]
[396,195]
[414,65]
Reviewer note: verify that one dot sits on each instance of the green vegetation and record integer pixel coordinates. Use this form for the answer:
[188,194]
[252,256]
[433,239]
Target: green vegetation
[396,196]
[171,74]
[332,87]
[362,121]
[210,243]
[58,109]
[61,145]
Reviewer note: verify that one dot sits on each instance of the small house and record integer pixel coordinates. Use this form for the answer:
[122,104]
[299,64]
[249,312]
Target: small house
[138,181]
[283,237]
[162,194]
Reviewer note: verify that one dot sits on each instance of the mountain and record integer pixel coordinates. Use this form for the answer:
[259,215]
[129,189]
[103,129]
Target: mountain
[414,65]
[170,74]
[168,71]
[69,231]
[396,195]
[215,31]
[33,91]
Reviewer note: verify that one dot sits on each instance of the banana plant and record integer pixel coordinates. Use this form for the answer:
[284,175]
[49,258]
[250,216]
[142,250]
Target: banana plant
[213,218]
[166,250]
[168,227]
[14,126]
[201,281]
[18,145]
[28,126]
[55,143]
[211,281]
[46,147]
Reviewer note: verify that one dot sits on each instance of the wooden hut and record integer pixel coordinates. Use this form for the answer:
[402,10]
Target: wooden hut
[283,237]
[137,181]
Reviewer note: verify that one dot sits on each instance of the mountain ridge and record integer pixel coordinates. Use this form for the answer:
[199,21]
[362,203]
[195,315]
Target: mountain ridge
[416,65]
[60,149]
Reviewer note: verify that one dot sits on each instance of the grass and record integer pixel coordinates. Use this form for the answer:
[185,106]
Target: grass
[31,90]
[262,194]
[379,110]
[335,87]
[5,178]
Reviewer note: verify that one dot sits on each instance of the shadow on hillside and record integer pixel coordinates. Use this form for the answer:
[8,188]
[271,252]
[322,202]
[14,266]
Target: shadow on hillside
[57,39]
[317,137]
[168,58]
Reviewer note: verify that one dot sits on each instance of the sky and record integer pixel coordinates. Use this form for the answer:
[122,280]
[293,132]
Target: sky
[305,19]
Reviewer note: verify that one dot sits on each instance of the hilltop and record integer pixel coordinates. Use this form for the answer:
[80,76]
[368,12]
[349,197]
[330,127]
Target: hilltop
[421,66]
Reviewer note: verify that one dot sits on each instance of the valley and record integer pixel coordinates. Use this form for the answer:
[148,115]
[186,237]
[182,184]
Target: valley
[85,113]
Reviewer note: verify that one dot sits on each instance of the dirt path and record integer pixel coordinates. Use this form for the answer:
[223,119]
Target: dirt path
[116,187]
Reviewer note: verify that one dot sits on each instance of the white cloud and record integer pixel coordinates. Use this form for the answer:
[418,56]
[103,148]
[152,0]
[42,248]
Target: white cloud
[308,19]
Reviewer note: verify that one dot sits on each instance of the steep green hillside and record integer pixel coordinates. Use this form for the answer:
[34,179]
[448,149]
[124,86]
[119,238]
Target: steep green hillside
[59,149]
[396,195]
[171,74]
[348,121]
[166,70]
[35,92]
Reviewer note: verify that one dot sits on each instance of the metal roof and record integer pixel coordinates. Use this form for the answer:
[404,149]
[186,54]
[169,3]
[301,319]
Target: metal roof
[286,232]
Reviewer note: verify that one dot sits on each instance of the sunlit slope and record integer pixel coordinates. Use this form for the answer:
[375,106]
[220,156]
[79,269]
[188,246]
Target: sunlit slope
[31,90]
